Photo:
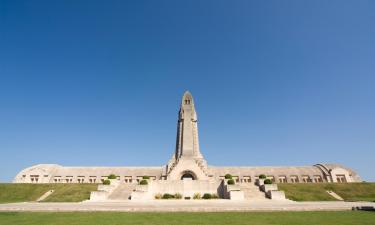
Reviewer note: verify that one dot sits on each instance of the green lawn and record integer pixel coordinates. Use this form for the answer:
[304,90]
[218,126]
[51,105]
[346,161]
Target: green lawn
[240,218]
[317,192]
[79,192]
[354,191]
[306,192]
[31,192]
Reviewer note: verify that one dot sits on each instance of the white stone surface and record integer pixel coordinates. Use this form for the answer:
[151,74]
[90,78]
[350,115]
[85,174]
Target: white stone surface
[45,195]
[188,160]
[276,195]
[104,191]
[336,196]
[185,206]
[236,195]
[187,188]
[99,196]
[260,182]
[269,187]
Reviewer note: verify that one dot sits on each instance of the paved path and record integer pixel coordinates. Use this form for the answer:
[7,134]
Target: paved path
[185,206]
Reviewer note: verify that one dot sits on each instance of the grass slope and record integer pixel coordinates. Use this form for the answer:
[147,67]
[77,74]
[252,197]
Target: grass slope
[21,192]
[240,218]
[31,192]
[71,192]
[354,191]
[317,192]
[306,192]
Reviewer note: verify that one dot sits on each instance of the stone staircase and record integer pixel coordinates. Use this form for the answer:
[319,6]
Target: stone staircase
[252,192]
[122,192]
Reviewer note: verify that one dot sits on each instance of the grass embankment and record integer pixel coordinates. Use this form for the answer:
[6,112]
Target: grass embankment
[232,218]
[318,192]
[31,192]
[306,192]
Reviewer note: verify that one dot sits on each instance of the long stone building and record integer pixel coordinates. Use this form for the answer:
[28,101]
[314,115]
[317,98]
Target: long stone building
[187,163]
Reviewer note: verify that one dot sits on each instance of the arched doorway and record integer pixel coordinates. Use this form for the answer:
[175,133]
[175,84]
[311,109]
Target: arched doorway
[188,175]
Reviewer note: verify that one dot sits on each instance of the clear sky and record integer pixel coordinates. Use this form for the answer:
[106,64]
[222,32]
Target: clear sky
[99,83]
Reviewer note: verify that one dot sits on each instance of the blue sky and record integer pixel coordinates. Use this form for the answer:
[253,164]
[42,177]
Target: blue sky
[98,83]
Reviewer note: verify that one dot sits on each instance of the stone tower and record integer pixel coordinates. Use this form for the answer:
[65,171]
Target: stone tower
[187,143]
[188,161]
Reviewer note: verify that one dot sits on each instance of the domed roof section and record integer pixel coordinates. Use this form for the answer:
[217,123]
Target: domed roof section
[328,167]
[331,166]
[45,169]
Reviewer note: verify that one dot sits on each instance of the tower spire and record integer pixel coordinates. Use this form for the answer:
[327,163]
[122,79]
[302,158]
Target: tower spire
[187,143]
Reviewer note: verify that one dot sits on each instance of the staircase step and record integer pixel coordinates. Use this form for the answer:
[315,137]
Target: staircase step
[252,192]
[122,192]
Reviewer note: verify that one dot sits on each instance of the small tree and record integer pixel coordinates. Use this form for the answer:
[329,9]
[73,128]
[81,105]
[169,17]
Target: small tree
[145,177]
[267,181]
[106,182]
[158,196]
[167,196]
[197,196]
[143,182]
[177,196]
[262,176]
[230,182]
[207,196]
[228,176]
[112,176]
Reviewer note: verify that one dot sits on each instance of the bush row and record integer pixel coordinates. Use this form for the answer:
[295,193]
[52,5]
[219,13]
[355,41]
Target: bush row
[228,176]
[113,176]
[179,196]
[168,196]
[205,196]
[230,181]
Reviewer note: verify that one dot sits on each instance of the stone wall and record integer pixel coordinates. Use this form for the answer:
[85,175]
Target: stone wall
[187,188]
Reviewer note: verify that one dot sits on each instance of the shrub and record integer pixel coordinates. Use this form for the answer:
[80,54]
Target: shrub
[112,176]
[143,182]
[267,181]
[262,176]
[230,182]
[215,196]
[106,182]
[207,196]
[197,196]
[158,196]
[167,196]
[145,177]
[228,176]
[177,196]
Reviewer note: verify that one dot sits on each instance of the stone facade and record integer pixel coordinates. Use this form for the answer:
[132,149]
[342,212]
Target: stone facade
[187,163]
